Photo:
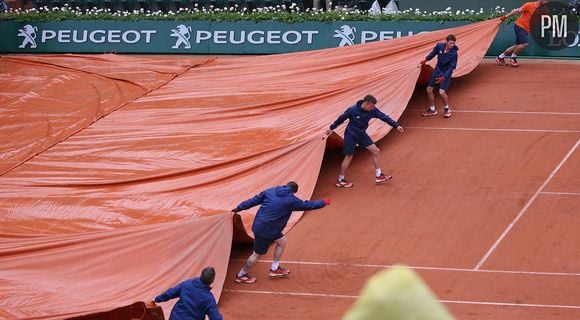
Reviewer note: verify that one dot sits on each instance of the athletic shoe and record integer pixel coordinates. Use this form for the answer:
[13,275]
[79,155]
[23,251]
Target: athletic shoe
[279,273]
[342,183]
[514,62]
[383,178]
[447,113]
[429,113]
[500,61]
[247,278]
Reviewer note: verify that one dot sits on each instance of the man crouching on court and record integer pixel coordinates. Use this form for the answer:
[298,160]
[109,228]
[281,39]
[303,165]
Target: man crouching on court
[276,207]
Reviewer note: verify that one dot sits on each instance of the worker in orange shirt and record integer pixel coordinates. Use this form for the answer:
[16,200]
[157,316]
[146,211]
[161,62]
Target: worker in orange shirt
[522,30]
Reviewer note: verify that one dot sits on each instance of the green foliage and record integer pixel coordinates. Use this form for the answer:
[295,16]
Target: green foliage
[277,13]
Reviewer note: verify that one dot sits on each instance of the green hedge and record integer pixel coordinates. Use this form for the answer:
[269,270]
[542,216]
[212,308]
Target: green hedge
[276,13]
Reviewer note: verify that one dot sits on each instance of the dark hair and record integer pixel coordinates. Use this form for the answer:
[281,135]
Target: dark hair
[293,186]
[207,275]
[450,38]
[370,98]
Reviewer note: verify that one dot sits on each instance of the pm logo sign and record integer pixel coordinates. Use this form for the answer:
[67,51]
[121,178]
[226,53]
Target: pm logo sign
[554,26]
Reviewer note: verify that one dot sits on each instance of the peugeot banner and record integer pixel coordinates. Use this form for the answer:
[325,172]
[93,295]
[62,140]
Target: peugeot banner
[206,37]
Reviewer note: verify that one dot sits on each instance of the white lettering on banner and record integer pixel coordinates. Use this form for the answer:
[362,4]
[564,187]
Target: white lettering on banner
[114,36]
[97,36]
[255,37]
[76,39]
[347,35]
[274,37]
[47,35]
[310,36]
[202,35]
[148,34]
[63,36]
[220,37]
[367,36]
[136,36]
[297,34]
[251,37]
[242,37]
[101,39]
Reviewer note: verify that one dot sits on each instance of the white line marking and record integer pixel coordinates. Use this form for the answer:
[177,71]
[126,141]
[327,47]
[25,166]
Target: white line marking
[562,193]
[384,266]
[512,304]
[302,294]
[498,130]
[344,296]
[525,208]
[513,112]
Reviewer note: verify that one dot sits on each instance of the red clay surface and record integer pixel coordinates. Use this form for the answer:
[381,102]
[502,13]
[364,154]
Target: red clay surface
[485,206]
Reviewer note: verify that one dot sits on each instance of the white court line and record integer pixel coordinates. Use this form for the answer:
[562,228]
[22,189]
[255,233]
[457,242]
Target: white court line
[302,294]
[513,112]
[525,208]
[344,296]
[384,266]
[498,130]
[562,193]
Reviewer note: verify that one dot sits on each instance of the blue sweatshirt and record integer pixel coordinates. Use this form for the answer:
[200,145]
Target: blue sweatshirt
[195,301]
[276,206]
[446,61]
[359,119]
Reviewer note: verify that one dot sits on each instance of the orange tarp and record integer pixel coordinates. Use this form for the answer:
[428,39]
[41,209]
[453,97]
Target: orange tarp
[124,207]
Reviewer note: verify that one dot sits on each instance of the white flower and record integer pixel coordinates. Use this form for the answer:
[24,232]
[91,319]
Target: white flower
[458,12]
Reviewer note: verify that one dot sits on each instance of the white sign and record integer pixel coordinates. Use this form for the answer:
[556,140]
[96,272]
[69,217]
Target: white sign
[28,32]
[347,35]
[185,37]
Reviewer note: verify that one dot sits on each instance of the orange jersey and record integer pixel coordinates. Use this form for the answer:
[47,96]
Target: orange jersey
[528,10]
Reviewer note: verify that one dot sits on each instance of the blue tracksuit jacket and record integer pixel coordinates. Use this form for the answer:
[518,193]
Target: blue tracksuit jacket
[359,120]
[195,301]
[276,206]
[446,61]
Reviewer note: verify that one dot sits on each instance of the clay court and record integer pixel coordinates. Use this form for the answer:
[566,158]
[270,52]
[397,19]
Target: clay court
[484,206]
[126,169]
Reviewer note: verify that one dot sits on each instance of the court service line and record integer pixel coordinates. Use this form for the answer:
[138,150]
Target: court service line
[344,296]
[496,130]
[525,208]
[384,266]
[513,112]
[561,193]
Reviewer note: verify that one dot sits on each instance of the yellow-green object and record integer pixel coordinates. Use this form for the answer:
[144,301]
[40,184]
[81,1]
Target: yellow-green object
[397,294]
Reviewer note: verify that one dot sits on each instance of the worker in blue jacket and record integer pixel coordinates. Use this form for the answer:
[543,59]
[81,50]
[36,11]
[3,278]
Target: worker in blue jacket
[276,207]
[358,117]
[446,53]
[195,298]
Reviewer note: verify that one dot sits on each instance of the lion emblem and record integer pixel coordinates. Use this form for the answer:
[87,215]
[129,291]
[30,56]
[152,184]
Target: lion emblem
[346,33]
[28,32]
[182,35]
